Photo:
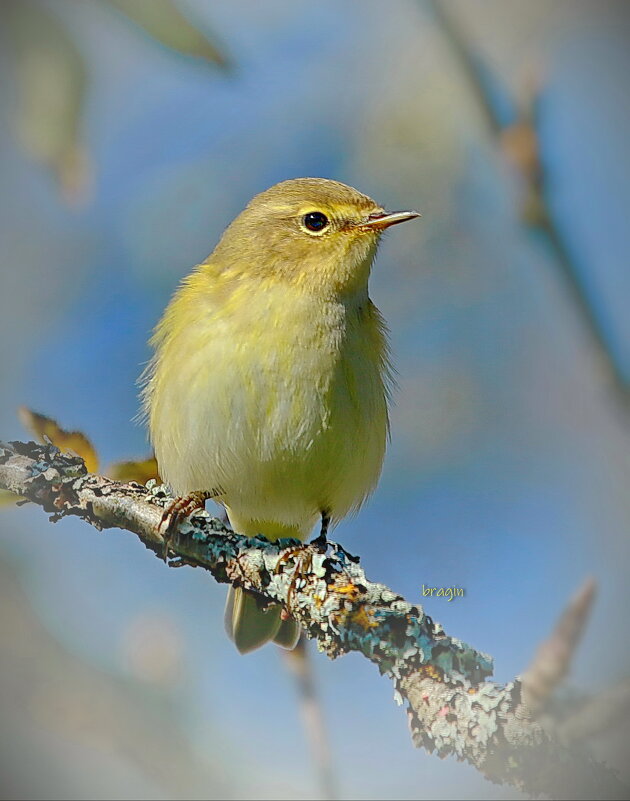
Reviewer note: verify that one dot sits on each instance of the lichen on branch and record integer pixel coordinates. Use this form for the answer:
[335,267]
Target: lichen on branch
[452,707]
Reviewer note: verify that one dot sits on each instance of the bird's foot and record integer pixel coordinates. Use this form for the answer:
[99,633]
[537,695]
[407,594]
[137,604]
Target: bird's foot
[321,541]
[303,561]
[178,510]
[304,558]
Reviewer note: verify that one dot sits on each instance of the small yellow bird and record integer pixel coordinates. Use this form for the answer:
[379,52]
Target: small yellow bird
[269,385]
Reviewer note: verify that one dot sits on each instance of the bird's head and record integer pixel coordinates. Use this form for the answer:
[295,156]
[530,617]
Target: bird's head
[313,232]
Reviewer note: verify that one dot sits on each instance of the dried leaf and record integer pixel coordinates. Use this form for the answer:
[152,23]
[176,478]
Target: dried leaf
[163,21]
[141,471]
[47,429]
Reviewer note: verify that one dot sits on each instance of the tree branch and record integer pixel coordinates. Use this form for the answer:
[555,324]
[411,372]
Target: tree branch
[552,661]
[515,130]
[452,708]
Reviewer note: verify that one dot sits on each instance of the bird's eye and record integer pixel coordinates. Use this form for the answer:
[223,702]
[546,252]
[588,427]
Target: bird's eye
[315,221]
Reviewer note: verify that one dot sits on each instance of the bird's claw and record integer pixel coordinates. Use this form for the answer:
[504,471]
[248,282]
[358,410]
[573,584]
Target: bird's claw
[178,510]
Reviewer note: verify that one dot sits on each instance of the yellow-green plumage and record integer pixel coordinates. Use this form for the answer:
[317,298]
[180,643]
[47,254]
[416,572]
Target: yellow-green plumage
[270,378]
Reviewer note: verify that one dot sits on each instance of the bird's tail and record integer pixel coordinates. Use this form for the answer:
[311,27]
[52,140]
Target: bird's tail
[250,625]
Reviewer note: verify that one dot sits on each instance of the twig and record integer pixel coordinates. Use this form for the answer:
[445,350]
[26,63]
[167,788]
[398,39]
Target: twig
[553,658]
[516,134]
[452,709]
[298,662]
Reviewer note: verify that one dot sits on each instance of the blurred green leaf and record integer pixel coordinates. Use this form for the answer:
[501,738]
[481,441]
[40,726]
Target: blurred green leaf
[163,21]
[51,83]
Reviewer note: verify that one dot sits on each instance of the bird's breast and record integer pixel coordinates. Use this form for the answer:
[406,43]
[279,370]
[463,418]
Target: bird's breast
[281,400]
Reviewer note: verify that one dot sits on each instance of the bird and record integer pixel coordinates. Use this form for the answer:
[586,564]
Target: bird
[271,378]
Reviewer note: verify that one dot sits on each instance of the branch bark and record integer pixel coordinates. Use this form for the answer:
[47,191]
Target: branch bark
[452,708]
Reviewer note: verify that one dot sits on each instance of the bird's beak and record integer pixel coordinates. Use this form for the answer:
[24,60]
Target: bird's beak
[380,220]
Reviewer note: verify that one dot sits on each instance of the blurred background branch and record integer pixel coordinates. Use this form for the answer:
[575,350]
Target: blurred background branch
[553,659]
[514,126]
[299,662]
